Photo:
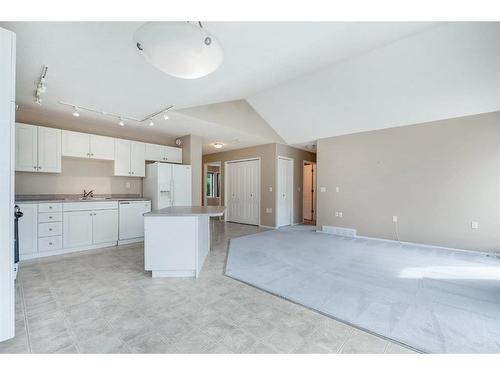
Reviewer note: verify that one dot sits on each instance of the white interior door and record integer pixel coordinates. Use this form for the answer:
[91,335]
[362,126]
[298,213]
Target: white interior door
[243,191]
[285,191]
[307,206]
[7,154]
[49,150]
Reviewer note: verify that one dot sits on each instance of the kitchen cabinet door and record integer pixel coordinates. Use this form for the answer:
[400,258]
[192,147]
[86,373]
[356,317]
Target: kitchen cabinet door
[49,150]
[26,148]
[77,229]
[173,154]
[155,152]
[102,147]
[105,226]
[75,144]
[122,157]
[137,159]
[28,229]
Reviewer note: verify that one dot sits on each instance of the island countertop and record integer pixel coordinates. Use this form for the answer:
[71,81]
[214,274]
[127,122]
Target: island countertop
[188,211]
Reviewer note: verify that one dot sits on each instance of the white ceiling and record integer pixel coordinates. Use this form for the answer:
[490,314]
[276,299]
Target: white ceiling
[96,65]
[448,71]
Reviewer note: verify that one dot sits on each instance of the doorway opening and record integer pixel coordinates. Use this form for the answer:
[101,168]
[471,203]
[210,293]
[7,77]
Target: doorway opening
[212,184]
[309,193]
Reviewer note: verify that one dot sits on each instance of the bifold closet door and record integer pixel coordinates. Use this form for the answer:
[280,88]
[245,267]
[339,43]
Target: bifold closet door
[243,188]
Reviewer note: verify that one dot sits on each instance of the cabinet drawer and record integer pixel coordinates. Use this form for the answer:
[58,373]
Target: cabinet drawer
[49,217]
[49,207]
[50,243]
[49,229]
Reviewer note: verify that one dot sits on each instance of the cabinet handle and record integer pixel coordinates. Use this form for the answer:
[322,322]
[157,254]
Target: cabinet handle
[92,154]
[50,207]
[50,229]
[39,167]
[50,243]
[34,167]
[50,217]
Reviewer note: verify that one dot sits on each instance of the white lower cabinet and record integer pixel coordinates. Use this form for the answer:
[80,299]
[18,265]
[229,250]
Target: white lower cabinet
[105,226]
[28,229]
[86,228]
[77,229]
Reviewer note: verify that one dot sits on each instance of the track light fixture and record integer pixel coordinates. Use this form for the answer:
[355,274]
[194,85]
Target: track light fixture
[121,118]
[41,87]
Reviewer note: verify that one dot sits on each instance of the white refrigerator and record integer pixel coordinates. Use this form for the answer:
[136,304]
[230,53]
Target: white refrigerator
[167,185]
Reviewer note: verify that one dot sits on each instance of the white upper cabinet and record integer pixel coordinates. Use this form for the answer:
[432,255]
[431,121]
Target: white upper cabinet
[75,144]
[102,147]
[26,148]
[155,152]
[137,159]
[49,150]
[122,157]
[38,149]
[163,153]
[173,154]
[82,145]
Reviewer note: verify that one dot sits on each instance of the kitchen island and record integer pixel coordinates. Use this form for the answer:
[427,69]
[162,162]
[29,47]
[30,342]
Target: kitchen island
[177,239]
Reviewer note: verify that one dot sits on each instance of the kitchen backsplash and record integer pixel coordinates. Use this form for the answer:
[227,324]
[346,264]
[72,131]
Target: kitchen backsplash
[77,174]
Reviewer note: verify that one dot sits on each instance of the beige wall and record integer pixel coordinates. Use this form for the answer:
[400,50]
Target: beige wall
[436,177]
[268,154]
[77,174]
[192,154]
[298,156]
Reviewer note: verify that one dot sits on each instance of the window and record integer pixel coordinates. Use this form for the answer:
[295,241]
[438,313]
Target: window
[213,184]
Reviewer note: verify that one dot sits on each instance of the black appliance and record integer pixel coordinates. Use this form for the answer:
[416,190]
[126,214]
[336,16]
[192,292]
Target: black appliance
[17,215]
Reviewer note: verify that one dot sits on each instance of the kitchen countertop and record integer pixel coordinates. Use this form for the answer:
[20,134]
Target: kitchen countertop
[188,211]
[59,198]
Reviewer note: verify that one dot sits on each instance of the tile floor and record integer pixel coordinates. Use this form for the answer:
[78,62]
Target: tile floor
[103,301]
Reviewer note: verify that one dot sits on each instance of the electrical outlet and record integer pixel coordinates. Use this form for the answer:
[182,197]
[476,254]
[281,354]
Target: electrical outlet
[337,189]
[474,225]
[340,213]
[271,189]
[298,189]
[336,214]
[269,210]
[394,219]
[127,185]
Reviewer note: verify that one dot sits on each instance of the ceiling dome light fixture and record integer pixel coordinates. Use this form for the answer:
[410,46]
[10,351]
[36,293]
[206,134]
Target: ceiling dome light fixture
[75,112]
[180,49]
[218,145]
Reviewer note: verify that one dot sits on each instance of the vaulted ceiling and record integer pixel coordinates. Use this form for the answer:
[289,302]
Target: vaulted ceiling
[279,82]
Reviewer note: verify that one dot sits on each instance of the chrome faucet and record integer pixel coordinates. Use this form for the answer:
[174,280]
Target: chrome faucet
[89,194]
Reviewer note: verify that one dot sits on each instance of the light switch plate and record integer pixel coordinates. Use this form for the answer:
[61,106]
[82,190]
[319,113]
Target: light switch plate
[270,188]
[474,225]
[322,189]
[337,189]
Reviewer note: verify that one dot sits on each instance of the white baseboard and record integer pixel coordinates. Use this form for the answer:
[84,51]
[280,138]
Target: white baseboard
[339,231]
[43,254]
[267,226]
[129,241]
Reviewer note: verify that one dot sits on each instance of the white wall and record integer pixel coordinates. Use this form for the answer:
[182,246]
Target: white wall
[447,71]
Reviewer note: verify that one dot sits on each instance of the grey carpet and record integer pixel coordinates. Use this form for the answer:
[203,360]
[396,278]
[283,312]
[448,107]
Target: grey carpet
[434,300]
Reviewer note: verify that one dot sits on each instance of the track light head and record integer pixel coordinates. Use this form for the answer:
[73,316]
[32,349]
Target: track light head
[165,115]
[75,112]
[121,122]
[151,123]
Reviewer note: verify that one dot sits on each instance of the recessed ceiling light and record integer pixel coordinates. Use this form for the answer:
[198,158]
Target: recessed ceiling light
[180,49]
[151,123]
[121,122]
[75,112]
[218,145]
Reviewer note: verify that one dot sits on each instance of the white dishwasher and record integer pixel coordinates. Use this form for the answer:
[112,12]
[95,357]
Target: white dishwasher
[131,221]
